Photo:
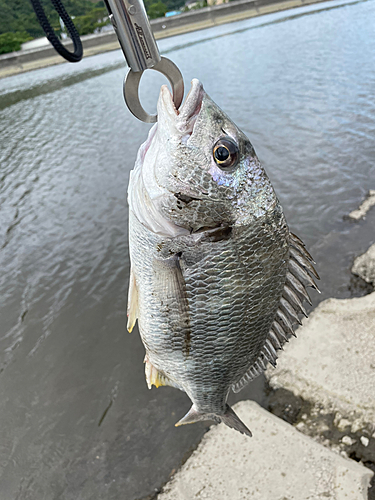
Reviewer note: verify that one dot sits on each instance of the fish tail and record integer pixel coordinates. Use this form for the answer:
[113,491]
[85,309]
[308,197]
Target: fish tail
[229,418]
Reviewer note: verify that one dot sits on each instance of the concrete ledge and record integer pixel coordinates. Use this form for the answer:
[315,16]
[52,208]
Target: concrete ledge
[332,361]
[22,67]
[277,463]
[365,206]
[27,56]
[364,266]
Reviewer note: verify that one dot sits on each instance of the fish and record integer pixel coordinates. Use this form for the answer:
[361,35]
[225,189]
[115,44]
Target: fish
[217,280]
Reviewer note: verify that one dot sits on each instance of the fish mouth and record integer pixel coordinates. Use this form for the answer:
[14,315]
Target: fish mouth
[185,117]
[182,119]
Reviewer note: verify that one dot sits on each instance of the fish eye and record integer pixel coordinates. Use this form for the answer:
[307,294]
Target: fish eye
[226,154]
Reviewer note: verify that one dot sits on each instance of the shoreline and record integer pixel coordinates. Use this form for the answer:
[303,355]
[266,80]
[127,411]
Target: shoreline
[23,61]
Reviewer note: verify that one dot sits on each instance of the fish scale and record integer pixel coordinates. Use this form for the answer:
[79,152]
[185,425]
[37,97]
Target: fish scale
[225,296]
[217,279]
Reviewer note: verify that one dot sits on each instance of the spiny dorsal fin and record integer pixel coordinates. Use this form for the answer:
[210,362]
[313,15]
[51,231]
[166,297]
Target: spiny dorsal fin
[298,277]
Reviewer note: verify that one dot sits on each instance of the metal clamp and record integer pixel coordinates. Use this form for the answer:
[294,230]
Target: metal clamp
[131,24]
[131,88]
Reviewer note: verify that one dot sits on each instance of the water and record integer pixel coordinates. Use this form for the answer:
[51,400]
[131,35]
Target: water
[77,421]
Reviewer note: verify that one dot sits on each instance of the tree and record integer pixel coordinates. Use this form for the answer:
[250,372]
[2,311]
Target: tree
[91,22]
[10,42]
[158,9]
[18,15]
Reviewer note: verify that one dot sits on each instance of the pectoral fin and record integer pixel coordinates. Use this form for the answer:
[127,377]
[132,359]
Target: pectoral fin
[132,302]
[171,287]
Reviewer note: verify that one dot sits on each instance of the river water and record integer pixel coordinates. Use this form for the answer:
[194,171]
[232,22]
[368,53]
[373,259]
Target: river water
[77,420]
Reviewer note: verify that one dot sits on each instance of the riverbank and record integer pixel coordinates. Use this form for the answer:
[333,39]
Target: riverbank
[317,439]
[22,61]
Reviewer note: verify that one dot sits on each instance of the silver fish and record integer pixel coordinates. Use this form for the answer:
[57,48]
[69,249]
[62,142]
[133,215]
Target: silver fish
[217,279]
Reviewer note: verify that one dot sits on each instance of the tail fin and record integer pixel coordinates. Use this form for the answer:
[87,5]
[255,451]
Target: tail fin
[229,418]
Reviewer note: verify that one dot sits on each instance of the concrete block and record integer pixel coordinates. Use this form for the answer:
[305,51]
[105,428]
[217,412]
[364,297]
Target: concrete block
[277,463]
[332,361]
[362,210]
[364,265]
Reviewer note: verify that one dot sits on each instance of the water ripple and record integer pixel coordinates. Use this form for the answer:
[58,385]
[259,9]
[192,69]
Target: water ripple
[299,85]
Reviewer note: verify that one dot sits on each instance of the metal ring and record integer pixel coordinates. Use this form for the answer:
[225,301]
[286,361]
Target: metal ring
[131,89]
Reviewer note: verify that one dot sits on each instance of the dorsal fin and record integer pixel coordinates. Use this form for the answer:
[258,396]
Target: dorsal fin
[298,277]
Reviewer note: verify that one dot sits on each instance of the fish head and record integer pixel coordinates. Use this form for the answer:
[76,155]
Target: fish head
[200,171]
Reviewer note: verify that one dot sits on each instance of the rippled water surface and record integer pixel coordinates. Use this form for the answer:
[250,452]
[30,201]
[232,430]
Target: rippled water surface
[77,420]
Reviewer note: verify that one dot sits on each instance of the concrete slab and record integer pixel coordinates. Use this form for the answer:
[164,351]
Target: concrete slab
[332,362]
[364,265]
[365,206]
[277,463]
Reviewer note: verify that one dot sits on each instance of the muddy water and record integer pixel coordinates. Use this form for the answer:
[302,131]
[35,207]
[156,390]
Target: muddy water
[77,420]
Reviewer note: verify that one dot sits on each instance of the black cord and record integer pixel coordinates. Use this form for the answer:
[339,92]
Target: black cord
[75,56]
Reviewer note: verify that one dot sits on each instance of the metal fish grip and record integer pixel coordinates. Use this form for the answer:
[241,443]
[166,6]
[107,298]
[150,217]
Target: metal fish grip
[131,24]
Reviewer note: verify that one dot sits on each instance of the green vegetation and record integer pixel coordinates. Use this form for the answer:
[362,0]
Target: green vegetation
[18,22]
[169,5]
[10,42]
[19,16]
[158,9]
[92,21]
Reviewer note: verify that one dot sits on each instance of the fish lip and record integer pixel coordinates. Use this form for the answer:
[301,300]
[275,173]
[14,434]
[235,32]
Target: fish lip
[193,102]
[184,117]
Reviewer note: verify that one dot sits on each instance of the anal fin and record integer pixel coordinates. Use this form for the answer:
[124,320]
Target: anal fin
[154,377]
